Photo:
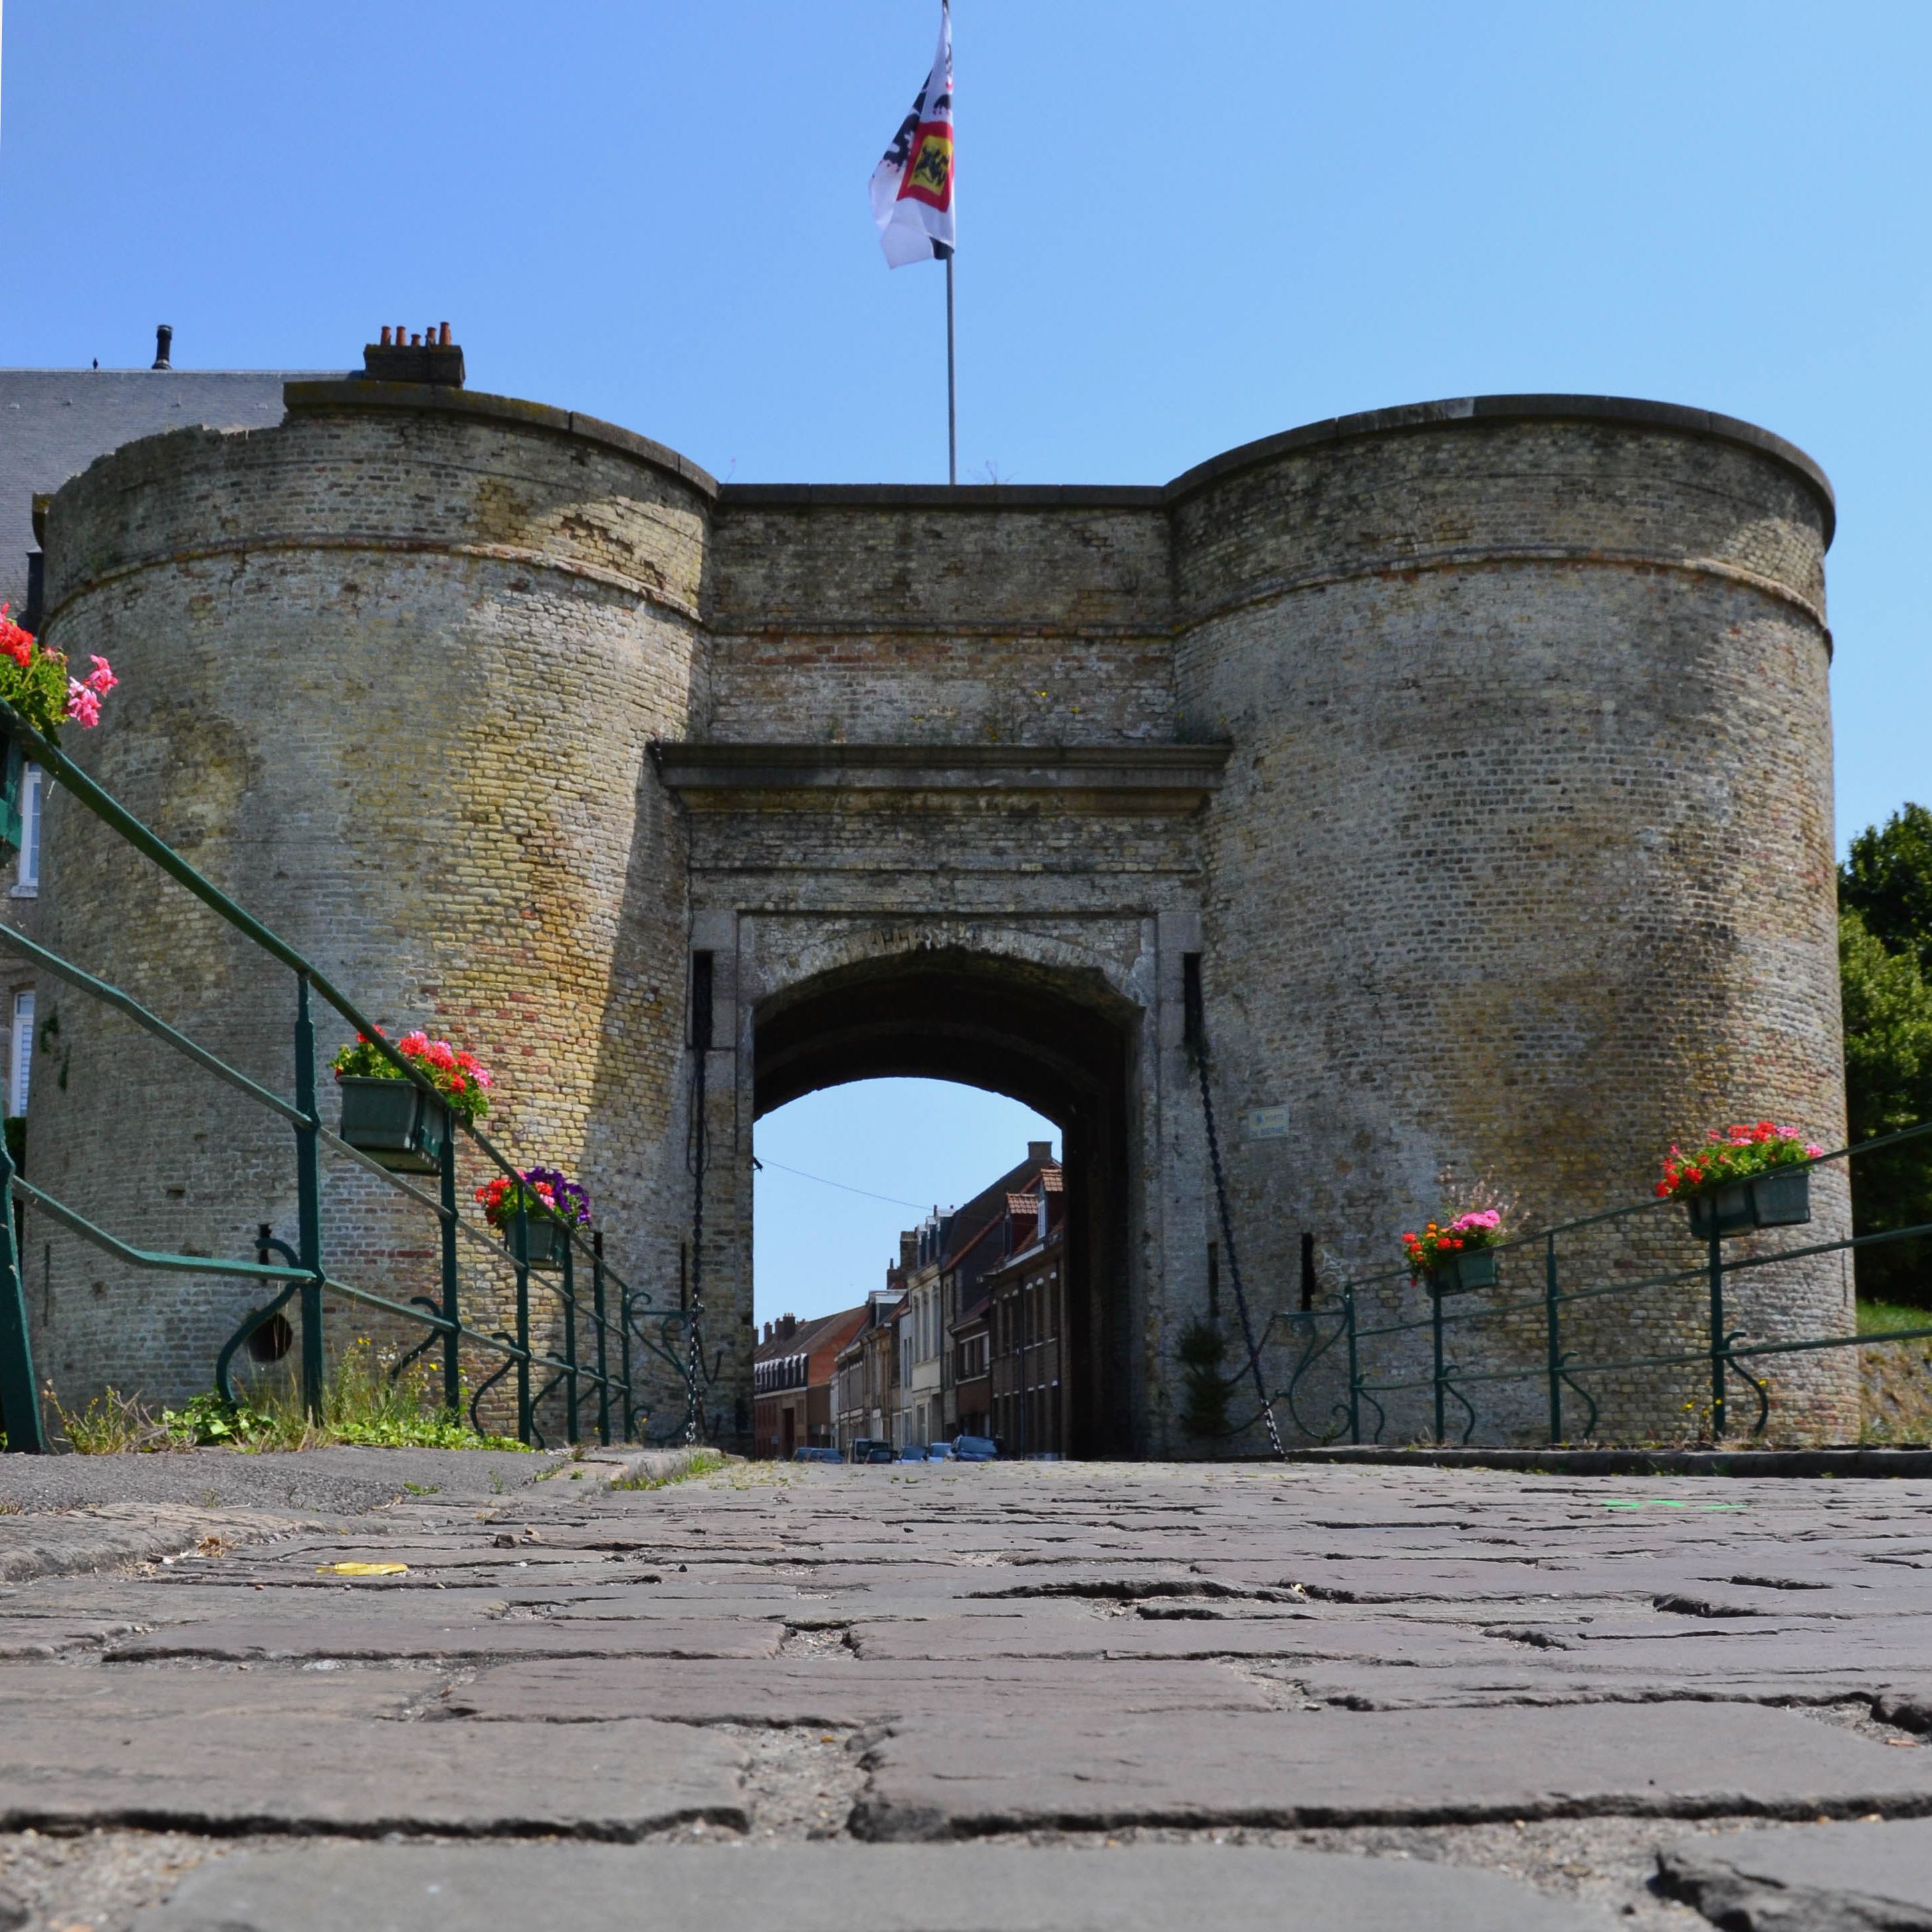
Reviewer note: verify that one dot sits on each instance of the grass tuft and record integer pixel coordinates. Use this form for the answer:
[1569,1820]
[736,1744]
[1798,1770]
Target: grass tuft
[705,1463]
[1882,1318]
[111,1424]
[360,1406]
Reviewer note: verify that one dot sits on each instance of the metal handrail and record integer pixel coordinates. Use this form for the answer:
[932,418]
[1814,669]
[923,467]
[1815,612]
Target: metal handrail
[1724,1354]
[19,1394]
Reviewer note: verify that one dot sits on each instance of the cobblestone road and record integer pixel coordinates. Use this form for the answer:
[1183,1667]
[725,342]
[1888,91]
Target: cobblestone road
[1036,1696]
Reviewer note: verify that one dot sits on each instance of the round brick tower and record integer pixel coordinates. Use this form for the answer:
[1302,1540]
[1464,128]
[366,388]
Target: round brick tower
[1522,866]
[389,672]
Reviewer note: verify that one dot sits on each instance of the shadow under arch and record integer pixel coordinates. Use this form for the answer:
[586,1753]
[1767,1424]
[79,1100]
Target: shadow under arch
[1061,1041]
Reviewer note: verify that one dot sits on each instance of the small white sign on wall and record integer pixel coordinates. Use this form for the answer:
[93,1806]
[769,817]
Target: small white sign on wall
[1266,1123]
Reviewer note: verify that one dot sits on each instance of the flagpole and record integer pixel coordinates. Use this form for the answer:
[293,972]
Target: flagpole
[951,384]
[952,389]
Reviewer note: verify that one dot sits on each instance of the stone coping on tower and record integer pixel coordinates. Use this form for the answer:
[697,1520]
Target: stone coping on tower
[1414,416]
[436,398]
[444,399]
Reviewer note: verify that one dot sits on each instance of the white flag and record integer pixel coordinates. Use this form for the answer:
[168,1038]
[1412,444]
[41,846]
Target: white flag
[912,187]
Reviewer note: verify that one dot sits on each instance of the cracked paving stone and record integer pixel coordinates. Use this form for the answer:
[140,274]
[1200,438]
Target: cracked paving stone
[841,1690]
[271,1638]
[935,1780]
[835,1888]
[1819,1878]
[289,1771]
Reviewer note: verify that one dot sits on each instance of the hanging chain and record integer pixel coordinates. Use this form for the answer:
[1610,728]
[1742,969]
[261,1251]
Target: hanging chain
[700,1049]
[1197,1036]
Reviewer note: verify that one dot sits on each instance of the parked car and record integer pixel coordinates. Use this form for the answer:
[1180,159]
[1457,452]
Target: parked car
[940,1452]
[912,1452]
[975,1449]
[818,1453]
[872,1449]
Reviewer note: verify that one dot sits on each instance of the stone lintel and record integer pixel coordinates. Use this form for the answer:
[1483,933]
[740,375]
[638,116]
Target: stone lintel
[1161,777]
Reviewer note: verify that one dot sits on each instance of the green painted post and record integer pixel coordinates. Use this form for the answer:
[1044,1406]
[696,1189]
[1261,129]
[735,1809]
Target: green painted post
[603,1353]
[1354,1368]
[1716,1265]
[521,1250]
[1553,1344]
[623,1343]
[19,1393]
[308,1201]
[452,1366]
[1435,1332]
[569,1338]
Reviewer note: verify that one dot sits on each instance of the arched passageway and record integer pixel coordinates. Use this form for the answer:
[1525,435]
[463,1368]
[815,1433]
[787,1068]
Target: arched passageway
[1064,1043]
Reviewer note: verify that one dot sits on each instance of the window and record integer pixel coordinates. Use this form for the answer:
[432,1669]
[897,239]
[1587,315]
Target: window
[27,877]
[23,1053]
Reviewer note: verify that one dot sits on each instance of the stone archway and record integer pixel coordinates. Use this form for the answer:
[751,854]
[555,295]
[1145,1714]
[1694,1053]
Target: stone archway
[1063,1042]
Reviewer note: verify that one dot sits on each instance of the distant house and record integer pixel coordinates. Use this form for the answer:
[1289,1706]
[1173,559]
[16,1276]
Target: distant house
[864,1379]
[1026,1318]
[978,1239]
[791,1376]
[972,1379]
[923,1332]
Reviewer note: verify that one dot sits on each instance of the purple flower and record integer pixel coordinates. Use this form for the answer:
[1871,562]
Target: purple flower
[572,1199]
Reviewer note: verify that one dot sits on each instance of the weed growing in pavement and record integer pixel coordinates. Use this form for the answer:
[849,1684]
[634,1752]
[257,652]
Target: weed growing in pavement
[705,1463]
[360,1406]
[110,1424]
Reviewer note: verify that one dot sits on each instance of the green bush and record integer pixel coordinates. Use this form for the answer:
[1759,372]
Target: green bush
[1205,1405]
[1884,958]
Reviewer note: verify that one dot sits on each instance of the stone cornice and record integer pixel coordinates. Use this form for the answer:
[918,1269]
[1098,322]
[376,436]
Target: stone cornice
[1117,776]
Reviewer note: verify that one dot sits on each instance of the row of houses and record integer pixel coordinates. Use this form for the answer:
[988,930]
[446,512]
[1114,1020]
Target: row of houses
[966,1338]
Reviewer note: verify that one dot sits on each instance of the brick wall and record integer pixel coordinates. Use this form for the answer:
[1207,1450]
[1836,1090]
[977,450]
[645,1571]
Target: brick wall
[1523,864]
[388,679]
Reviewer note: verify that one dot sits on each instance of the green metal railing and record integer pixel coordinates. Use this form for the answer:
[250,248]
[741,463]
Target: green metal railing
[300,1271]
[1726,1354]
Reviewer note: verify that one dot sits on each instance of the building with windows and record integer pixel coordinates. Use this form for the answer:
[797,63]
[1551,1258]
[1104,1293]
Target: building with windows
[922,1334]
[865,1380]
[975,1241]
[972,1380]
[791,1381]
[1026,1321]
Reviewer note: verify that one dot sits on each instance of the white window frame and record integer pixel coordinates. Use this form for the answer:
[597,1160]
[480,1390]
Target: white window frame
[21,1059]
[27,871]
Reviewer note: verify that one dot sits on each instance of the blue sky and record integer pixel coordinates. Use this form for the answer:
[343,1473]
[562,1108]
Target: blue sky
[1181,228]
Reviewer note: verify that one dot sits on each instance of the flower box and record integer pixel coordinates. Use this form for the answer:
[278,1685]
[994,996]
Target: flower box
[1453,1256]
[544,1241]
[1745,1177]
[552,1204]
[1777,1199]
[1457,1274]
[395,1123]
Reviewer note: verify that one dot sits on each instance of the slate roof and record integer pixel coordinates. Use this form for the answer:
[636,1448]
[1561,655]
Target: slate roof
[54,422]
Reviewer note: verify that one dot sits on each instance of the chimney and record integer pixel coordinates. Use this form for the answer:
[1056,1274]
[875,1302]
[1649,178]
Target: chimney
[909,1248]
[397,356]
[768,1331]
[1040,1152]
[164,344]
[787,1324]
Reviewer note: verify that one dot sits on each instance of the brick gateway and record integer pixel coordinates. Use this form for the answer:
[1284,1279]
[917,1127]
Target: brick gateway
[1479,751]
